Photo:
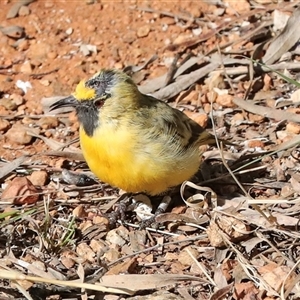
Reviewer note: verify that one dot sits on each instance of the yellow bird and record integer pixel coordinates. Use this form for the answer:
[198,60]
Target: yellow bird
[134,141]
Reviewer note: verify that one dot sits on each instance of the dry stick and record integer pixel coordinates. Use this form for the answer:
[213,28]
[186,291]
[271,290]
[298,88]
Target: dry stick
[267,112]
[37,76]
[224,69]
[172,70]
[167,14]
[11,166]
[15,276]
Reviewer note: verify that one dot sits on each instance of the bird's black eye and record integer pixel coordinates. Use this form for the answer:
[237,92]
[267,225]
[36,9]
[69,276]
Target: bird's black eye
[100,101]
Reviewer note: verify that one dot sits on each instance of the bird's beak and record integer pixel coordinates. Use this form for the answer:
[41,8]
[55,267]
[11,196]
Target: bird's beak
[69,101]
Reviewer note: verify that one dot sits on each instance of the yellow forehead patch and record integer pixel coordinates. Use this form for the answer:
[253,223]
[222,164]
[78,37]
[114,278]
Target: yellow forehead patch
[84,93]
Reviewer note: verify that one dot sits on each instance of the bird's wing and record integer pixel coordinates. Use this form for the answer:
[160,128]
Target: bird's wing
[177,126]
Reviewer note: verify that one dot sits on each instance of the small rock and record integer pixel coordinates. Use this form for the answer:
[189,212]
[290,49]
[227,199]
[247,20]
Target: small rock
[97,245]
[195,11]
[69,31]
[26,68]
[143,31]
[256,118]
[23,85]
[27,121]
[20,186]
[182,38]
[4,125]
[3,111]
[129,38]
[111,255]
[187,258]
[52,55]
[136,52]
[24,11]
[197,31]
[255,144]
[167,21]
[67,262]
[48,122]
[225,100]
[118,236]
[99,220]
[237,119]
[49,4]
[6,84]
[44,82]
[295,97]
[8,104]
[85,252]
[38,50]
[236,6]
[17,99]
[200,118]
[79,212]
[18,134]
[23,45]
[91,28]
[39,178]
[219,11]
[293,127]
[119,65]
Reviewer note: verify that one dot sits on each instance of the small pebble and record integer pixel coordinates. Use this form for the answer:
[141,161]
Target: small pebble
[24,11]
[69,31]
[4,125]
[26,68]
[18,134]
[39,178]
[143,31]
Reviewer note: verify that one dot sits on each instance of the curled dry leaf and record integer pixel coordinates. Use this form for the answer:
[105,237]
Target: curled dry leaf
[20,191]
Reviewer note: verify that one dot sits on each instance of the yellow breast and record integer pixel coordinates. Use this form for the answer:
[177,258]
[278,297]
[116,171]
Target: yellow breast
[119,158]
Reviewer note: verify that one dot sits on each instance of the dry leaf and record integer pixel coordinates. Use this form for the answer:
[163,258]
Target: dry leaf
[285,40]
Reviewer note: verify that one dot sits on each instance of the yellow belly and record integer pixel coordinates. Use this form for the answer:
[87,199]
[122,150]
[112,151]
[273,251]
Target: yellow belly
[117,158]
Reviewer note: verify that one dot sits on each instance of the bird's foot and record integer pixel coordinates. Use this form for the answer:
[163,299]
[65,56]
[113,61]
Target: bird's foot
[162,207]
[121,207]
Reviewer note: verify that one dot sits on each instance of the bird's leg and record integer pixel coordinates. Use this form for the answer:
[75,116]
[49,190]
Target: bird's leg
[162,207]
[126,203]
[121,208]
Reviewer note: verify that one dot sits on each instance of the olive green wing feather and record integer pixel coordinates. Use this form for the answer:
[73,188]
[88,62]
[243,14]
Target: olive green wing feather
[176,125]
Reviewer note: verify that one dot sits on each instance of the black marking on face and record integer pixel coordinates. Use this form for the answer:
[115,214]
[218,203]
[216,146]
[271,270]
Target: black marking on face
[88,116]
